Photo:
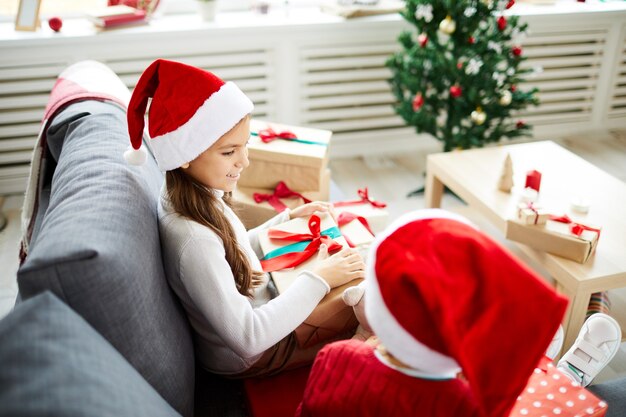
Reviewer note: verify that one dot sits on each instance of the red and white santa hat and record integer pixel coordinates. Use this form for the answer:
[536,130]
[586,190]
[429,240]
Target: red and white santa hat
[442,297]
[190,110]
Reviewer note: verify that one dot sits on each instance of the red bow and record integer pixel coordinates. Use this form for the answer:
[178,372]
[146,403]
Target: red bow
[289,260]
[364,194]
[575,228]
[346,217]
[281,191]
[269,134]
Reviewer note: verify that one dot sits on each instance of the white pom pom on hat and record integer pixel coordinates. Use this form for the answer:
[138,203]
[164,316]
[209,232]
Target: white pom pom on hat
[135,157]
[190,110]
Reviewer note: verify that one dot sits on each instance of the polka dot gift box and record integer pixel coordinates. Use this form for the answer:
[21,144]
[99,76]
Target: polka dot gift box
[550,393]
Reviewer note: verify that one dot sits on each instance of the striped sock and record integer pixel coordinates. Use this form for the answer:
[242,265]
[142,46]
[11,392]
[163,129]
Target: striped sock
[599,303]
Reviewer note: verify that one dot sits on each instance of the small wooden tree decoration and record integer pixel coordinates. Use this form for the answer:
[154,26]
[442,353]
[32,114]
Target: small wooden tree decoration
[506,178]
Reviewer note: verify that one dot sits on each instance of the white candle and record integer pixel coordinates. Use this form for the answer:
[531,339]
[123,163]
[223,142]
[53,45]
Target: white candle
[529,195]
[580,204]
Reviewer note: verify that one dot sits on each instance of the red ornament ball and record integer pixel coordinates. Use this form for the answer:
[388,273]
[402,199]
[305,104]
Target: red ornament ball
[501,23]
[422,39]
[516,50]
[510,4]
[456,91]
[55,23]
[418,101]
[471,40]
[513,88]
[459,65]
[520,124]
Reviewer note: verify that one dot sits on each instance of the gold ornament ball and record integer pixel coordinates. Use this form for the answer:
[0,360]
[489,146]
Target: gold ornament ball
[478,116]
[447,26]
[506,98]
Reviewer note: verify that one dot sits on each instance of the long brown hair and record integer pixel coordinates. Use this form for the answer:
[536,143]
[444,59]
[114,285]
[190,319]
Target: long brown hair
[195,202]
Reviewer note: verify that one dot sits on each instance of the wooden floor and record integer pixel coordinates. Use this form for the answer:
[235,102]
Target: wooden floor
[389,179]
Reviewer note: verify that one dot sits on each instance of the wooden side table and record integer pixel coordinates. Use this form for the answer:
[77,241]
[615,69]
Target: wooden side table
[473,176]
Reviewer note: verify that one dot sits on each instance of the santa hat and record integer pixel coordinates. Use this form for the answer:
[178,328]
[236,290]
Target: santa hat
[442,296]
[190,110]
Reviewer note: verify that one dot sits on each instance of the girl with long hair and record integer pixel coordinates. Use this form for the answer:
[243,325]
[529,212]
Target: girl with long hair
[199,128]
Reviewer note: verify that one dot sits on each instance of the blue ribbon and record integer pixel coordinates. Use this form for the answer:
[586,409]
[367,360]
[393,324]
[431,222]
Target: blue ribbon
[308,142]
[332,232]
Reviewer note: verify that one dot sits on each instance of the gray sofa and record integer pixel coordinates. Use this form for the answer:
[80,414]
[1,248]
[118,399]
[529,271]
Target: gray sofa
[101,332]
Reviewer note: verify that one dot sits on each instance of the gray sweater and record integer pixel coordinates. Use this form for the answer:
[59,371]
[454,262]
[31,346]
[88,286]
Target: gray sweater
[231,331]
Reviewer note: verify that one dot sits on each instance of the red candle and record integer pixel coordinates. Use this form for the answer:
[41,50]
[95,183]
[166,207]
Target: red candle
[533,180]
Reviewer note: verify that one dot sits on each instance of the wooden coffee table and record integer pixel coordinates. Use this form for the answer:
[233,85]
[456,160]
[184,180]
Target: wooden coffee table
[473,175]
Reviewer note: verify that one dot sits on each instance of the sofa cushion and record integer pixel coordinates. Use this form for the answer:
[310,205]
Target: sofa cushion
[96,246]
[54,363]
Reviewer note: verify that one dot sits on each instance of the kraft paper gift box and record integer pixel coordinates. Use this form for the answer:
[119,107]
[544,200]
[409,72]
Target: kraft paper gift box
[253,214]
[331,317]
[357,232]
[301,165]
[550,393]
[373,211]
[555,238]
[528,213]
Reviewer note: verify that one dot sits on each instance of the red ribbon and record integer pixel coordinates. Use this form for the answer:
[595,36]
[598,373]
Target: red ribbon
[281,191]
[346,217]
[289,260]
[575,228]
[364,194]
[268,135]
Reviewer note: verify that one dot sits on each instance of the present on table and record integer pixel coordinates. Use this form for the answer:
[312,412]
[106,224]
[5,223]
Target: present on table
[550,392]
[279,152]
[355,229]
[530,213]
[255,206]
[373,211]
[560,236]
[292,247]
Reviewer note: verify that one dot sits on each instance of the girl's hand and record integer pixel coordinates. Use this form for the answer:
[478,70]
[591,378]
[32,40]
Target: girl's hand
[308,209]
[340,268]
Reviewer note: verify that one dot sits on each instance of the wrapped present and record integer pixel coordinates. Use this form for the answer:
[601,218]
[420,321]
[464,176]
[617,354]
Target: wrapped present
[293,246]
[355,229]
[255,206]
[559,236]
[529,213]
[296,154]
[550,392]
[373,211]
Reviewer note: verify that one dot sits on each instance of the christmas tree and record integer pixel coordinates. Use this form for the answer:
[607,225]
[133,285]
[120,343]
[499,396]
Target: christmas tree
[457,76]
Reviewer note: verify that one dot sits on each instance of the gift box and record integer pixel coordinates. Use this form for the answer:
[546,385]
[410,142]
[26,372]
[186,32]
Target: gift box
[550,392]
[253,213]
[373,211]
[332,316]
[529,213]
[559,236]
[280,152]
[355,229]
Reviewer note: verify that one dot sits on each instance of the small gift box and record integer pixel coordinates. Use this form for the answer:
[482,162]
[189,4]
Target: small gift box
[529,213]
[550,392]
[355,229]
[255,206]
[373,211]
[559,236]
[280,152]
[292,247]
